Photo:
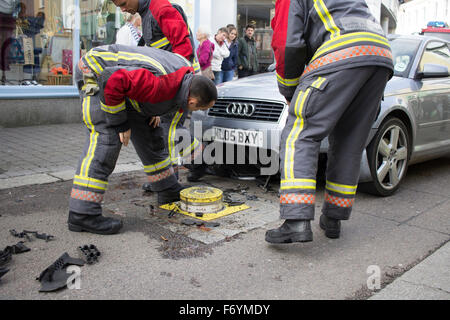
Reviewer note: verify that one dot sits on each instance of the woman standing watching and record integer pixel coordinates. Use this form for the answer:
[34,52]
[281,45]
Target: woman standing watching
[220,52]
[205,52]
[229,64]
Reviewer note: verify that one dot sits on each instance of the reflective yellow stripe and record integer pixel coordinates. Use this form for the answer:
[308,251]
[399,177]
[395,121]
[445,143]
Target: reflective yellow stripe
[95,66]
[158,166]
[293,135]
[187,152]
[349,39]
[326,18]
[89,125]
[135,105]
[113,109]
[316,84]
[298,184]
[341,188]
[90,182]
[92,153]
[196,66]
[172,135]
[160,43]
[288,82]
[129,56]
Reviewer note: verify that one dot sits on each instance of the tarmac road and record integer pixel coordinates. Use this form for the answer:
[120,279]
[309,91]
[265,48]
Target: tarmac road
[149,261]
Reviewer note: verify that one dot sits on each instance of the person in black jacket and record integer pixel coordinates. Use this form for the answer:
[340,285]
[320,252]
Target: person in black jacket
[247,56]
[229,64]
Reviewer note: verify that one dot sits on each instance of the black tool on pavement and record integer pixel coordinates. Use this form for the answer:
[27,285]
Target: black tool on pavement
[90,253]
[5,257]
[22,234]
[5,254]
[55,276]
[43,236]
[25,234]
[18,248]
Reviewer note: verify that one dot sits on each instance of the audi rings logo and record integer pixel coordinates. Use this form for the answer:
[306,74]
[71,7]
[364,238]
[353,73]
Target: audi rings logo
[241,109]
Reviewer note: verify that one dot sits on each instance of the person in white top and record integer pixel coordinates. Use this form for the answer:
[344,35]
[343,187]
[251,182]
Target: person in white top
[220,52]
[130,34]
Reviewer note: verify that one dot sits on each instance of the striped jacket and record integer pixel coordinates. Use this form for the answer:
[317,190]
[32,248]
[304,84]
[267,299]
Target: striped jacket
[311,36]
[153,82]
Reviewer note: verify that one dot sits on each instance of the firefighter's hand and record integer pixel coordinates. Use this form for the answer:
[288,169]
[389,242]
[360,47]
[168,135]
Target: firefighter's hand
[125,137]
[155,121]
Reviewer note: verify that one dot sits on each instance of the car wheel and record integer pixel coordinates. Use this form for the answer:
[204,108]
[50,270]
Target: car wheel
[388,155]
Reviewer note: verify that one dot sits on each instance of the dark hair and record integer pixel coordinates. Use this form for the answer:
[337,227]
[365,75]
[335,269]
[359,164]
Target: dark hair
[203,89]
[230,25]
[223,29]
[250,26]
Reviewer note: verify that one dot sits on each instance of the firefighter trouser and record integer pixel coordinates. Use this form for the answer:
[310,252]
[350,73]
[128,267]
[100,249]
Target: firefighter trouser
[101,151]
[182,147]
[341,105]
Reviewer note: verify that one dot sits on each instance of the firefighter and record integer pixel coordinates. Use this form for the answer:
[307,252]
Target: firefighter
[333,62]
[123,89]
[164,26]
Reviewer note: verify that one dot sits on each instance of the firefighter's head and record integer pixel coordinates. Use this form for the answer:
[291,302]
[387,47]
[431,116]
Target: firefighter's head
[130,6]
[202,93]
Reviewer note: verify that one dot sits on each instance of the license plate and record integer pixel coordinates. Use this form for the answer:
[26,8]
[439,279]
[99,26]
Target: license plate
[238,136]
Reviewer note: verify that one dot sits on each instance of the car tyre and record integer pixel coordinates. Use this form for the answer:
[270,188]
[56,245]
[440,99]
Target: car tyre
[388,154]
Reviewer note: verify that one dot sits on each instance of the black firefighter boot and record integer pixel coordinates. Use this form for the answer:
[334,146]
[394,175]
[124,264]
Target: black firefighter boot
[170,195]
[291,231]
[95,224]
[332,227]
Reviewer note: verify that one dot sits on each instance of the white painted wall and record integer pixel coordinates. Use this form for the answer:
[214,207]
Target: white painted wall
[217,13]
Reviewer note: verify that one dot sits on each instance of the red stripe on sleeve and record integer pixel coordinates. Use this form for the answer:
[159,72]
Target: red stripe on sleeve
[173,26]
[143,86]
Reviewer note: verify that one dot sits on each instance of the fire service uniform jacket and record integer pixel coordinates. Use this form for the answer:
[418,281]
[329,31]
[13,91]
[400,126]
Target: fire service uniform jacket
[164,26]
[122,87]
[333,62]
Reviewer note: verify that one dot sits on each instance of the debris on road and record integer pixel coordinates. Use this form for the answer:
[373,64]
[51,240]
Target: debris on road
[24,234]
[55,276]
[90,253]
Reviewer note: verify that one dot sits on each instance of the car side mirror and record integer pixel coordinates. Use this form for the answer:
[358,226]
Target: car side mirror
[433,71]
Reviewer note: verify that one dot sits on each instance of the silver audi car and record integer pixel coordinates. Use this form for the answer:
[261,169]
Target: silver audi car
[413,124]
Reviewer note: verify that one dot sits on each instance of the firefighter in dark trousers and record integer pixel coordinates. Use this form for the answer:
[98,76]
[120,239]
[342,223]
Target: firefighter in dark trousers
[333,62]
[164,26]
[123,89]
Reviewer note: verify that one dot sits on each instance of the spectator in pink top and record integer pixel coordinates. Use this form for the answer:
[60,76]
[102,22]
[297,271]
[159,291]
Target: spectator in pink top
[205,52]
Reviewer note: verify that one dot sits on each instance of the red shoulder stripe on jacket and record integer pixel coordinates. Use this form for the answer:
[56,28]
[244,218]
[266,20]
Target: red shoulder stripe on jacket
[143,86]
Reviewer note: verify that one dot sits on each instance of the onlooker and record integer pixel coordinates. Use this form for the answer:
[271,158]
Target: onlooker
[129,34]
[229,64]
[220,52]
[205,51]
[247,62]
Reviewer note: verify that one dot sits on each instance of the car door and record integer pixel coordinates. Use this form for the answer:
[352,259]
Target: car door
[434,99]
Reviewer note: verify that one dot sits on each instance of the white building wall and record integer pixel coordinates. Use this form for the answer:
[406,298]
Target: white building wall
[414,15]
[217,13]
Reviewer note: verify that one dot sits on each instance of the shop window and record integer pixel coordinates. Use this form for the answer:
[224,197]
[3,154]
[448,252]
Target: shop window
[37,37]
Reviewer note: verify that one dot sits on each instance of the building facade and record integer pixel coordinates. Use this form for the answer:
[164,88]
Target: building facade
[42,40]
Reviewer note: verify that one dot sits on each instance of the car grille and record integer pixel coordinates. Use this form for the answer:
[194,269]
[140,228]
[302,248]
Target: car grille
[264,110]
